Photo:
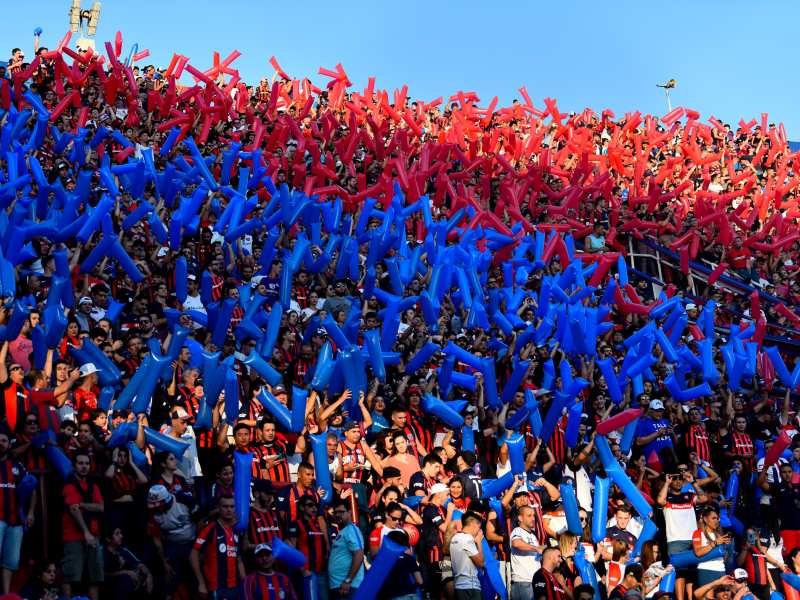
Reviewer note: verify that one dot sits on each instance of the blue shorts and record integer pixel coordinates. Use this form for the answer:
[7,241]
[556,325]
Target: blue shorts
[10,544]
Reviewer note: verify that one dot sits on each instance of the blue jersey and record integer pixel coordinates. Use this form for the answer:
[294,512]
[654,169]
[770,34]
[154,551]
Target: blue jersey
[647,426]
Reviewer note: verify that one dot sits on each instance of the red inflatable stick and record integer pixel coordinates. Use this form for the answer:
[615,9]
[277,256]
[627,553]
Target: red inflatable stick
[717,273]
[717,125]
[274,62]
[746,127]
[618,421]
[118,44]
[141,55]
[777,448]
[781,308]
[764,119]
[672,116]
[64,41]
[62,106]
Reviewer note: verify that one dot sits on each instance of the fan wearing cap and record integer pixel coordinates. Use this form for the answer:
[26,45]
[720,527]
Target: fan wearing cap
[436,519]
[16,398]
[84,313]
[354,454]
[265,583]
[262,526]
[654,432]
[85,395]
[180,429]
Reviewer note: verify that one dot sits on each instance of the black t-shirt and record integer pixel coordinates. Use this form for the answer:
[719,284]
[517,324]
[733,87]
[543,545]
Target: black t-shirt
[615,533]
[400,581]
[545,587]
[417,484]
[471,483]
[786,502]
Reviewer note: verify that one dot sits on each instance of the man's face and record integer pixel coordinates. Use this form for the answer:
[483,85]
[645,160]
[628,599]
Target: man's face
[5,444]
[227,511]
[268,431]
[305,477]
[84,433]
[353,435]
[399,419]
[179,426]
[623,518]
[82,466]
[786,473]
[526,517]
[265,561]
[242,437]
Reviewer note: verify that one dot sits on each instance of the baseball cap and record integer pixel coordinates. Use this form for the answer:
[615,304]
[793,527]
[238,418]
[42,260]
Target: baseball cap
[739,574]
[158,494]
[691,306]
[656,405]
[85,300]
[88,369]
[180,413]
[438,488]
[263,548]
[351,425]
[278,389]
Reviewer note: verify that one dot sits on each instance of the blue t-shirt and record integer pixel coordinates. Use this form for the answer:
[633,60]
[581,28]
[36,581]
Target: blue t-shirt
[344,545]
[647,426]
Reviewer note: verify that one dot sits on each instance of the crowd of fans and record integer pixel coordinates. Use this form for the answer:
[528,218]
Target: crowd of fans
[135,522]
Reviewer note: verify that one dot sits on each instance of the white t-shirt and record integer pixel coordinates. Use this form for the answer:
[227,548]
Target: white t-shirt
[715,564]
[465,573]
[524,563]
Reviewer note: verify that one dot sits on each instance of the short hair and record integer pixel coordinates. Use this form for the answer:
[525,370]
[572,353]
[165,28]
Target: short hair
[239,426]
[583,588]
[431,458]
[470,517]
[399,537]
[306,465]
[337,502]
[636,570]
[468,456]
[78,454]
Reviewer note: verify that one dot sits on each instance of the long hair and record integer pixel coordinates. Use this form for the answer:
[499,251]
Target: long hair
[648,554]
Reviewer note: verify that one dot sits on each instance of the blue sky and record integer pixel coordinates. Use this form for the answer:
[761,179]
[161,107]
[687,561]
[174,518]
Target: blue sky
[731,58]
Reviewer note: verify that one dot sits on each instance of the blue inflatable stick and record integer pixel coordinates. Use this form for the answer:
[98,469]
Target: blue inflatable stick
[319,447]
[242,476]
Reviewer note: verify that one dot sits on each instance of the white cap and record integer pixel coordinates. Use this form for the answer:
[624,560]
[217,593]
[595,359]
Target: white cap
[88,369]
[656,405]
[691,306]
[163,251]
[740,574]
[85,300]
[438,488]
[179,413]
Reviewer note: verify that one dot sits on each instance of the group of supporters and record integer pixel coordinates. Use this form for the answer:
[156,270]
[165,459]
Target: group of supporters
[136,521]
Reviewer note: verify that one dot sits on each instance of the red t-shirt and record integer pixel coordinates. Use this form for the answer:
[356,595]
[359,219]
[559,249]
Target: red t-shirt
[218,546]
[85,403]
[738,257]
[72,496]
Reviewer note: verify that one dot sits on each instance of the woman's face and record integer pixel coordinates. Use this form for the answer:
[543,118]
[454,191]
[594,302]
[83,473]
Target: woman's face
[49,575]
[388,444]
[401,445]
[456,488]
[390,496]
[72,329]
[171,463]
